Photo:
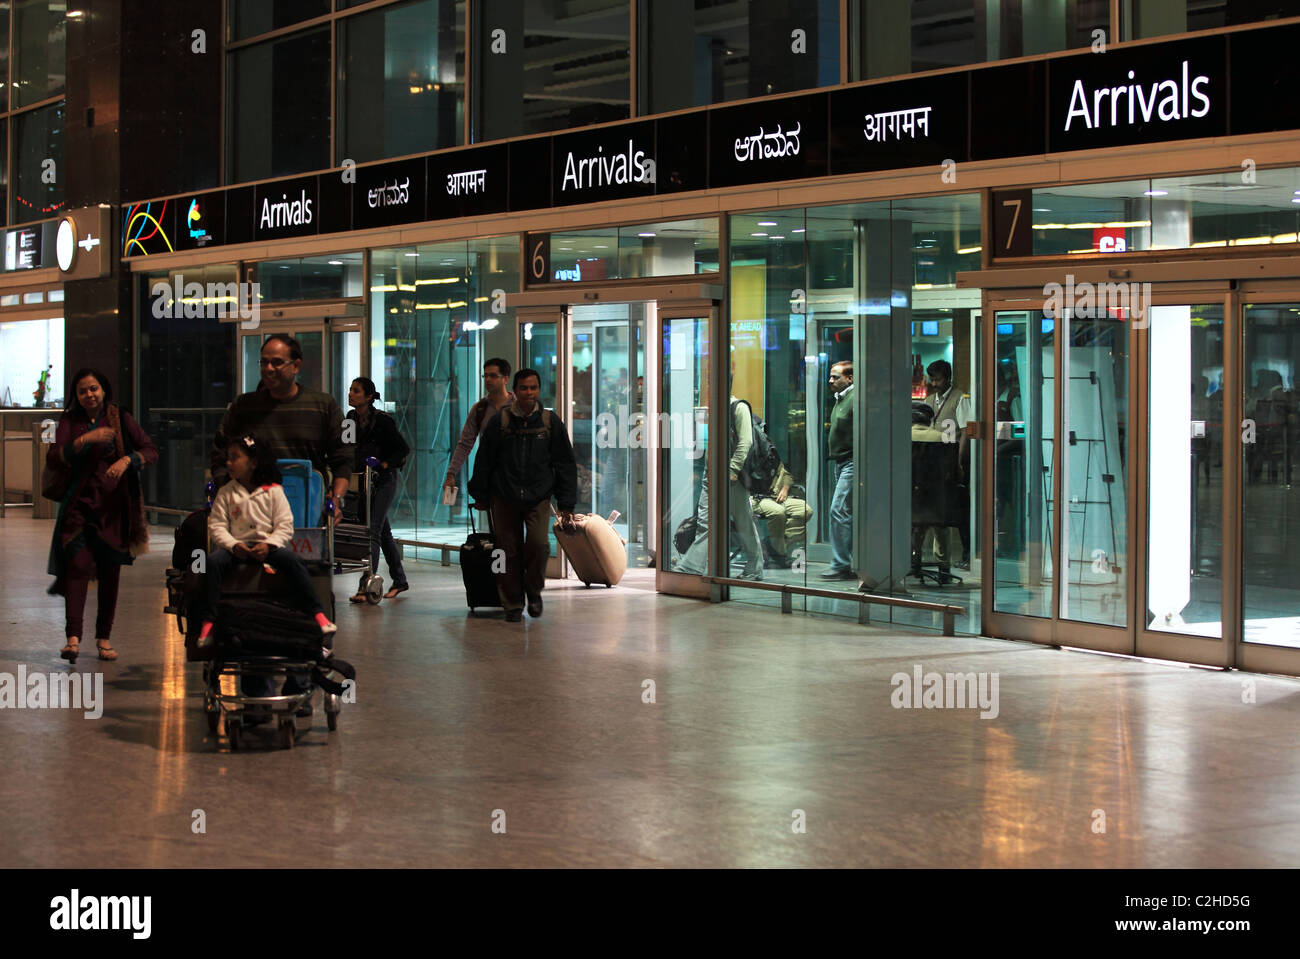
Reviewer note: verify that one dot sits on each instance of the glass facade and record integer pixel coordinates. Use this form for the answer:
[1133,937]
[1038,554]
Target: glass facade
[38,160]
[31,363]
[894,37]
[677,248]
[248,18]
[278,107]
[39,45]
[1143,19]
[696,52]
[401,80]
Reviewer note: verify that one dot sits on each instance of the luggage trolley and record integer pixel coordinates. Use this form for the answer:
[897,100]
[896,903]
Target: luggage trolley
[351,544]
[236,656]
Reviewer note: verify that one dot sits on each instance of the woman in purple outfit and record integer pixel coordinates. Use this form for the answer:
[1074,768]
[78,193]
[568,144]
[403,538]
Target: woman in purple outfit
[101,524]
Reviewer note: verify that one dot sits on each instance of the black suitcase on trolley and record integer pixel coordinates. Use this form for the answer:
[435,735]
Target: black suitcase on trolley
[352,542]
[476,569]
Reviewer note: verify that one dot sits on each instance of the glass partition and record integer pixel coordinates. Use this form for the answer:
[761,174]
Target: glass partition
[1185,470]
[31,363]
[683,400]
[852,345]
[437,312]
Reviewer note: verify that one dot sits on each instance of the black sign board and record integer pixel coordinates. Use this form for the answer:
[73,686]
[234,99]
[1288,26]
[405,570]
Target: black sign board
[239,215]
[1013,221]
[887,126]
[537,254]
[147,228]
[286,208]
[1008,111]
[200,221]
[1165,91]
[530,174]
[335,196]
[771,141]
[1265,77]
[388,193]
[681,150]
[469,182]
[611,163]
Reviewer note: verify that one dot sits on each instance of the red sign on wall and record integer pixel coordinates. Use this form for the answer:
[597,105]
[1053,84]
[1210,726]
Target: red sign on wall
[1109,240]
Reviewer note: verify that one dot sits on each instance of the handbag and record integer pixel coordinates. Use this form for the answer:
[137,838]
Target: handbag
[55,481]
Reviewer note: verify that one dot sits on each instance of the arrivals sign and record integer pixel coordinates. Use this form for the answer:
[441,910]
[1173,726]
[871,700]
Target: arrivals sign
[774,140]
[1175,91]
[284,209]
[388,194]
[469,182]
[614,163]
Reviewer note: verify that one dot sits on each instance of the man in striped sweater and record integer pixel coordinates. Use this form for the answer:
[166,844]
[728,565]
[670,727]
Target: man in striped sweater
[295,422]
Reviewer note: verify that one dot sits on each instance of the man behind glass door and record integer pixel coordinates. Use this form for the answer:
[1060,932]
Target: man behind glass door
[952,408]
[839,447]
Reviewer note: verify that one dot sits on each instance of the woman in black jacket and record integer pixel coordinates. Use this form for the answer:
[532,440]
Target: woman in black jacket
[377,436]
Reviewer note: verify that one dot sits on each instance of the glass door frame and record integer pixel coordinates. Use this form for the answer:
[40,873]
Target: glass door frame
[1255,657]
[322,320]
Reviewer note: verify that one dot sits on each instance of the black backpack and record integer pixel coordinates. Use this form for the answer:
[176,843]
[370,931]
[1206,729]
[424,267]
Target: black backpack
[763,462]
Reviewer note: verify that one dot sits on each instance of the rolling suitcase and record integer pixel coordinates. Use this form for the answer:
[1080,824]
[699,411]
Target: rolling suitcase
[595,550]
[476,568]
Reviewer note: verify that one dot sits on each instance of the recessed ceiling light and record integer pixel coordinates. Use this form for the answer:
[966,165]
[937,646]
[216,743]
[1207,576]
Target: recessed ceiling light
[775,237]
[800,230]
[412,254]
[758,234]
[645,234]
[767,222]
[336,262]
[1157,192]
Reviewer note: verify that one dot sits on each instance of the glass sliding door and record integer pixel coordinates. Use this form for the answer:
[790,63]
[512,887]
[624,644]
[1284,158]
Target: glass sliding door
[1270,480]
[1023,446]
[1094,465]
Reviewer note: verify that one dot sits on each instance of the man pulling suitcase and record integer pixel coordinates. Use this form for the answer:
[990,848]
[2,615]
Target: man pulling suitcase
[524,459]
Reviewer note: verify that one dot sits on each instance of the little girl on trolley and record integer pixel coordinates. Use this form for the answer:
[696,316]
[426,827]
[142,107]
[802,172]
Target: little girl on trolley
[251,521]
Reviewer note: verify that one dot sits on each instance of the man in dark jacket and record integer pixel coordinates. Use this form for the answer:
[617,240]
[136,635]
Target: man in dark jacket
[524,459]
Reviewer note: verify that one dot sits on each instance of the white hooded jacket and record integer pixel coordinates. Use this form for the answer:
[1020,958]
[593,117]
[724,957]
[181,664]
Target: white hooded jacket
[242,516]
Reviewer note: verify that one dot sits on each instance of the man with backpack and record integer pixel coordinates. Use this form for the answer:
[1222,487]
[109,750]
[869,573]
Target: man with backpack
[747,443]
[524,459]
[496,374]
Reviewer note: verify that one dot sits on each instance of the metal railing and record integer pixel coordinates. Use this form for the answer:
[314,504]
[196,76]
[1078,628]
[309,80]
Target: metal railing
[788,590]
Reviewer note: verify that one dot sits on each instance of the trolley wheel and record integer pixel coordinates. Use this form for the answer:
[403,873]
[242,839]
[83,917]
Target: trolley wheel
[373,587]
[586,586]
[234,732]
[609,585]
[288,732]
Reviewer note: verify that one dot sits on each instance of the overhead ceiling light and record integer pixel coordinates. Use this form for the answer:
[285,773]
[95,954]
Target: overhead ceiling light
[800,230]
[645,234]
[767,222]
[335,262]
[1157,192]
[758,234]
[412,254]
[775,237]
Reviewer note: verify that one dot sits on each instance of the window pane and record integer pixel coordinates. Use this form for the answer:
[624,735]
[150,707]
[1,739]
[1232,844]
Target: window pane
[401,80]
[551,66]
[677,248]
[280,107]
[31,363]
[39,50]
[4,55]
[39,139]
[1155,18]
[248,18]
[327,277]
[697,52]
[892,37]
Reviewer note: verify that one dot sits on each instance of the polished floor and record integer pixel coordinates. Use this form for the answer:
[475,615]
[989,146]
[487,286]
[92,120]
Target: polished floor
[461,723]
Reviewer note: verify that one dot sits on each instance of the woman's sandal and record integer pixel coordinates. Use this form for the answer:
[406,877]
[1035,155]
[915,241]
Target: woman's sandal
[106,652]
[392,592]
[70,651]
[359,598]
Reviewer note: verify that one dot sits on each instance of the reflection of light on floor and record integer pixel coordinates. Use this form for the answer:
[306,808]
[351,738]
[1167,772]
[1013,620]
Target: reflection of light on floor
[1277,631]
